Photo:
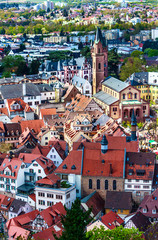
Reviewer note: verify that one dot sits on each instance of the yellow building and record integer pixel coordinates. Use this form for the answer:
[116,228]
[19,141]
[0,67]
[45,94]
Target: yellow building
[148,92]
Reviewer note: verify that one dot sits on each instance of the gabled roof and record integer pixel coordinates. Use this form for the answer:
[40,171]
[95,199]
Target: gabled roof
[118,200]
[34,125]
[47,111]
[105,98]
[111,220]
[15,90]
[140,221]
[140,165]
[94,201]
[115,84]
[50,179]
[150,202]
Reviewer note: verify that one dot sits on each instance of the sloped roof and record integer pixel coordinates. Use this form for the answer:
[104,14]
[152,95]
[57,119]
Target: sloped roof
[115,84]
[47,111]
[118,200]
[35,125]
[16,90]
[110,218]
[94,201]
[105,98]
[140,221]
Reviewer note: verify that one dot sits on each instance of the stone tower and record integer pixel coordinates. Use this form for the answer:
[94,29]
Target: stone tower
[99,53]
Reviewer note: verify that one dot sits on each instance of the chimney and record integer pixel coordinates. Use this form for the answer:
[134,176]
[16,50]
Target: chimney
[24,89]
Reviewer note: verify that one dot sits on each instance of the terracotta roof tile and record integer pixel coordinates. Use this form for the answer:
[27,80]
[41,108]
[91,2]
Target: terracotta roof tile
[111,219]
[47,111]
[34,125]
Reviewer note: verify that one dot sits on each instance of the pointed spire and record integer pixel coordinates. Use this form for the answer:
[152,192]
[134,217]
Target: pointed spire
[99,37]
[133,119]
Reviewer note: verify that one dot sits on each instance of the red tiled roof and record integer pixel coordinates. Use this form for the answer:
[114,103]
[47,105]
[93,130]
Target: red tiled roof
[51,179]
[33,197]
[4,111]
[13,164]
[47,111]
[17,119]
[74,158]
[48,233]
[111,220]
[24,106]
[35,125]
[2,129]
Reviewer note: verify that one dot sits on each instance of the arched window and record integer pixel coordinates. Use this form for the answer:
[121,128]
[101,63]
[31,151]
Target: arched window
[106,184]
[114,184]
[99,50]
[135,95]
[98,184]
[90,183]
[99,66]
[129,95]
[124,96]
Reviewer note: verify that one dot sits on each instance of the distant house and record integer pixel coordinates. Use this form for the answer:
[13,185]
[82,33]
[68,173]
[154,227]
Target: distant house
[138,221]
[149,206]
[94,201]
[18,207]
[82,85]
[109,221]
[120,202]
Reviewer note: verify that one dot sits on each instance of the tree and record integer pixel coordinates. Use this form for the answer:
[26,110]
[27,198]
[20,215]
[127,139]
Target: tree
[130,66]
[113,61]
[137,53]
[5,147]
[75,222]
[86,52]
[118,233]
[34,67]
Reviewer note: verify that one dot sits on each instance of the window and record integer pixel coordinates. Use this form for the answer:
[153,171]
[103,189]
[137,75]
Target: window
[98,184]
[129,180]
[50,195]
[41,202]
[114,109]
[146,181]
[40,194]
[39,170]
[90,183]
[129,186]
[30,103]
[129,95]
[46,138]
[59,197]
[38,178]
[114,184]
[154,211]
[135,95]
[37,102]
[49,204]
[99,66]
[68,196]
[124,96]
[106,184]
[146,187]
[136,186]
[13,181]
[31,171]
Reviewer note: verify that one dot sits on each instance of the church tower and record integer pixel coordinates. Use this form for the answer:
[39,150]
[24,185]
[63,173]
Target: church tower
[99,53]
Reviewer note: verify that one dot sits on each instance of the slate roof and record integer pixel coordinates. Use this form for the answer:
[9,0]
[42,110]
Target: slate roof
[78,81]
[139,78]
[44,88]
[99,37]
[140,221]
[16,204]
[118,200]
[15,90]
[115,84]
[105,98]
[102,120]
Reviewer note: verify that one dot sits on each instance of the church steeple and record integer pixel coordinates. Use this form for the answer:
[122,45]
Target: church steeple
[133,127]
[99,54]
[104,144]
